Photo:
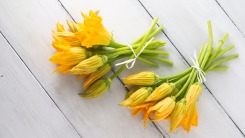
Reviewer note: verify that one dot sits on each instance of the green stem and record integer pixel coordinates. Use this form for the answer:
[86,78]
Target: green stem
[213,65]
[210,45]
[118,72]
[119,53]
[155,52]
[159,29]
[218,55]
[158,59]
[138,49]
[177,75]
[225,50]
[183,89]
[214,56]
[148,62]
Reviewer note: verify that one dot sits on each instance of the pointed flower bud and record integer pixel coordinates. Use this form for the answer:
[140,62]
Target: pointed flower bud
[97,88]
[89,65]
[178,114]
[143,79]
[161,92]
[131,91]
[193,93]
[137,97]
[70,57]
[97,75]
[163,108]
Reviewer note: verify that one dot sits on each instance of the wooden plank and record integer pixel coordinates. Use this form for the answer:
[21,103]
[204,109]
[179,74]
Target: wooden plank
[128,20]
[235,10]
[186,26]
[26,109]
[27,24]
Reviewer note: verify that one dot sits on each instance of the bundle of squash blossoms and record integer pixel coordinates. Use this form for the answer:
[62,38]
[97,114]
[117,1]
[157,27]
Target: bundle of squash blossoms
[175,97]
[88,50]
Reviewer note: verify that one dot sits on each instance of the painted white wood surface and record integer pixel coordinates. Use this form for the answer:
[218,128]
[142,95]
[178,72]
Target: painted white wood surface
[121,21]
[186,27]
[26,110]
[235,10]
[27,24]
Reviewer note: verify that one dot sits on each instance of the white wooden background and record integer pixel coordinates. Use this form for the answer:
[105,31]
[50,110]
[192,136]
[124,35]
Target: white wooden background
[36,103]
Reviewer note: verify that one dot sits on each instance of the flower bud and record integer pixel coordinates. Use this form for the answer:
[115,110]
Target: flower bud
[70,57]
[163,108]
[143,79]
[160,92]
[97,75]
[97,88]
[178,114]
[89,65]
[193,93]
[131,91]
[137,97]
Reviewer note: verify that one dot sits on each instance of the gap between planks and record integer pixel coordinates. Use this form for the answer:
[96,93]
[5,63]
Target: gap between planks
[229,17]
[190,65]
[39,83]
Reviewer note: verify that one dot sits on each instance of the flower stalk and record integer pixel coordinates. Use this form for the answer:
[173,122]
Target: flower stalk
[185,87]
[87,47]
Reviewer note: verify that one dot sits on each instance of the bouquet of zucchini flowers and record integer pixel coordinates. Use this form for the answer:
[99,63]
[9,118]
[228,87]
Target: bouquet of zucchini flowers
[88,50]
[175,97]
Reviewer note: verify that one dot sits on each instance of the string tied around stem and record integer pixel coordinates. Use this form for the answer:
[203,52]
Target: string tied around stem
[130,62]
[201,74]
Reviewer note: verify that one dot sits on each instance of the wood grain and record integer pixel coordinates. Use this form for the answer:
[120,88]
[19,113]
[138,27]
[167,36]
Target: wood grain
[26,110]
[235,10]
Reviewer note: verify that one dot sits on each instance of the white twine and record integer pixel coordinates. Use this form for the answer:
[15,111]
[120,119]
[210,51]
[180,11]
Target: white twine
[132,61]
[201,74]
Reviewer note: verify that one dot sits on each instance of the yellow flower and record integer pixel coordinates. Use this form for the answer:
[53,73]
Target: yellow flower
[92,31]
[73,26]
[60,27]
[80,76]
[143,78]
[143,107]
[131,91]
[63,69]
[70,57]
[191,118]
[97,75]
[163,108]
[137,97]
[97,88]
[193,93]
[160,92]
[89,65]
[178,114]
[61,45]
